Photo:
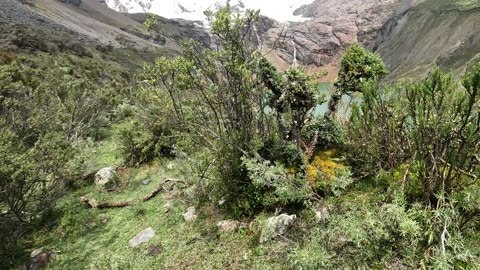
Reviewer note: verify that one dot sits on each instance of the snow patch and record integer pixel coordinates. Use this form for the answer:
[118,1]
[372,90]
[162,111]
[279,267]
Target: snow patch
[280,10]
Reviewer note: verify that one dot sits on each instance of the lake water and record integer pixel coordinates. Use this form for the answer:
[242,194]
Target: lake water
[325,88]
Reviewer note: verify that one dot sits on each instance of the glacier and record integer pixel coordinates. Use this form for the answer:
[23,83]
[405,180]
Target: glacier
[279,10]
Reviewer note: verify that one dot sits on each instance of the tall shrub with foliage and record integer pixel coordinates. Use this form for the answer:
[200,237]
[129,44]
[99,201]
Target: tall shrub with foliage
[429,127]
[213,95]
[218,99]
[48,105]
[293,97]
[356,67]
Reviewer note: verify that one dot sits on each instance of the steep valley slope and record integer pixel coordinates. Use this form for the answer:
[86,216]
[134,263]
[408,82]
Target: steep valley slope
[87,28]
[433,32]
[410,35]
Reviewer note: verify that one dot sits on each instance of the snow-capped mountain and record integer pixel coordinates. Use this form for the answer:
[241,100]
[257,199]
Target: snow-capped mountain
[280,10]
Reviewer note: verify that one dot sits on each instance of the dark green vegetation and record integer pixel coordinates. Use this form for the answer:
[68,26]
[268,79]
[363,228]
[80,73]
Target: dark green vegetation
[395,186]
[49,106]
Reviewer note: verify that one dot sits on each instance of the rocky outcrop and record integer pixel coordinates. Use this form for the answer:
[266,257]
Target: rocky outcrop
[410,35]
[227,226]
[38,260]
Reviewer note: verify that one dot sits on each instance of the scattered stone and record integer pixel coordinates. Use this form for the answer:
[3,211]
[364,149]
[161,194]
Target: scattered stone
[320,214]
[167,207]
[154,250]
[105,177]
[170,166]
[276,225]
[190,215]
[142,237]
[146,182]
[36,252]
[221,201]
[227,226]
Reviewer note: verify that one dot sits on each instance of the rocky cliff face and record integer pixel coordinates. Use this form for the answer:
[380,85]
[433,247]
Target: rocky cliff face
[411,35]
[334,25]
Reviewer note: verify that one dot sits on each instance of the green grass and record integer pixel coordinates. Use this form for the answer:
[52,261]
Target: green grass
[85,238]
[98,239]
[354,235]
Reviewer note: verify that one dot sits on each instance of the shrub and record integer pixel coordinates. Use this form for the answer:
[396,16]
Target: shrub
[324,133]
[280,186]
[293,96]
[140,145]
[48,106]
[217,101]
[356,67]
[432,125]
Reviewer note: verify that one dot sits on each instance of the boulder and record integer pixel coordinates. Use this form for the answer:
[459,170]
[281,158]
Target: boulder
[146,182]
[142,237]
[190,215]
[38,260]
[227,226]
[276,225]
[36,252]
[106,177]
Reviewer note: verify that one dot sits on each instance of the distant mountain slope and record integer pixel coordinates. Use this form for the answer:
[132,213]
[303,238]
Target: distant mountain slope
[88,28]
[432,32]
[333,25]
[90,22]
[411,35]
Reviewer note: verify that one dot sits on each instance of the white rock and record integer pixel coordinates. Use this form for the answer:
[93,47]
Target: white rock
[221,201]
[320,214]
[36,252]
[105,176]
[190,215]
[142,237]
[244,225]
[276,225]
[227,226]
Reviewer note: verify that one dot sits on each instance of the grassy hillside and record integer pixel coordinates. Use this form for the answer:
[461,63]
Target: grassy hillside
[364,220]
[218,137]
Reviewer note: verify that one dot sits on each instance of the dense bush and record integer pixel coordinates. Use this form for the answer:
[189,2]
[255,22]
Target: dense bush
[356,67]
[387,235]
[48,106]
[431,125]
[234,103]
[140,144]
[293,96]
